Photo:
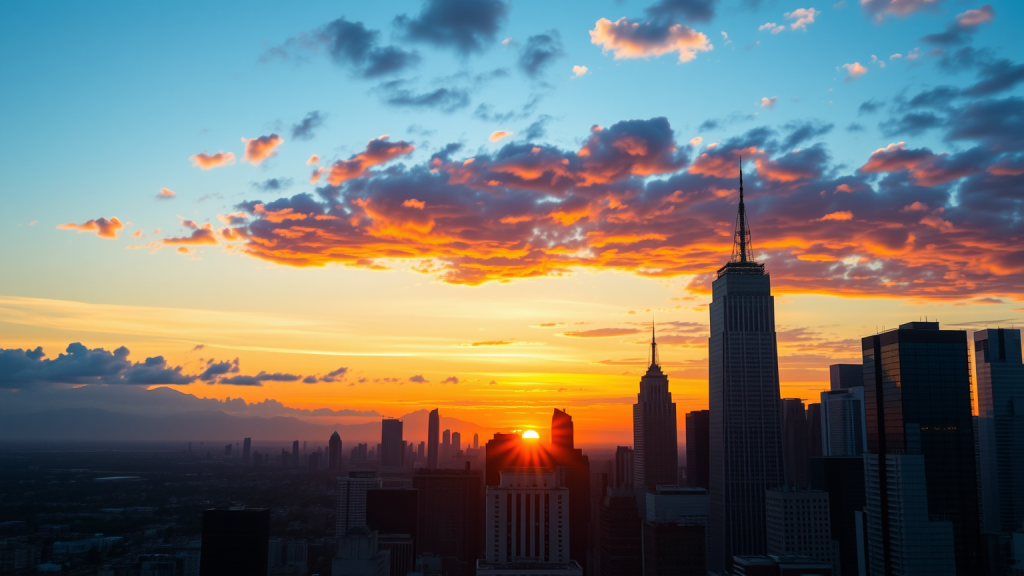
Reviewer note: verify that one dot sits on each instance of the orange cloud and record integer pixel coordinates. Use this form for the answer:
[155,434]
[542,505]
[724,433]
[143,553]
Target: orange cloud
[578,71]
[975,17]
[201,234]
[165,194]
[259,149]
[204,161]
[842,215]
[414,203]
[602,332]
[378,151]
[314,159]
[498,135]
[635,40]
[101,226]
[854,70]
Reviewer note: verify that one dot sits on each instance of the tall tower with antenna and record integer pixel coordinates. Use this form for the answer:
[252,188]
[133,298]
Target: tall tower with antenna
[655,449]
[745,435]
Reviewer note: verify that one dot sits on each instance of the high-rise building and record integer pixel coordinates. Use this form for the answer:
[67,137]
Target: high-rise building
[295,453]
[314,462]
[527,518]
[795,441]
[421,452]
[391,512]
[446,446]
[564,455]
[391,442]
[1001,427]
[352,499]
[917,396]
[358,554]
[450,518]
[236,542]
[433,431]
[799,524]
[697,449]
[813,429]
[843,478]
[562,431]
[334,452]
[456,444]
[655,447]
[843,430]
[619,542]
[246,449]
[675,531]
[745,436]
[623,466]
[901,537]
[508,451]
[476,441]
[843,376]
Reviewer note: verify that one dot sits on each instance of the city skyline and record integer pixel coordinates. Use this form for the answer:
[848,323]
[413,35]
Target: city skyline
[548,185]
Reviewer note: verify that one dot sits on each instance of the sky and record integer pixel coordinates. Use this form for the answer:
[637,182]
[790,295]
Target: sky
[482,206]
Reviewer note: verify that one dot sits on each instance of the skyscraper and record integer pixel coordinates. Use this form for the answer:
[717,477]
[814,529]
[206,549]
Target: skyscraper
[697,449]
[795,441]
[842,422]
[450,518]
[352,499]
[456,444]
[476,441]
[675,531]
[799,524]
[391,442]
[295,453]
[655,448]
[918,402]
[814,430]
[563,453]
[334,452]
[562,431]
[843,478]
[527,518]
[246,449]
[446,446]
[623,466]
[619,541]
[1001,427]
[843,376]
[433,431]
[743,378]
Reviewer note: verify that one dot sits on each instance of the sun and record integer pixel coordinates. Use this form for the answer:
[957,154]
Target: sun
[531,435]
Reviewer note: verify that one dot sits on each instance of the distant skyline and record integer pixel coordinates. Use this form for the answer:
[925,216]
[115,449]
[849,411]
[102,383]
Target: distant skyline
[381,209]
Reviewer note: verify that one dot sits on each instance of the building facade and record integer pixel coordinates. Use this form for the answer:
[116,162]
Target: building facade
[655,446]
[433,434]
[697,448]
[799,524]
[352,499]
[527,518]
[843,429]
[391,445]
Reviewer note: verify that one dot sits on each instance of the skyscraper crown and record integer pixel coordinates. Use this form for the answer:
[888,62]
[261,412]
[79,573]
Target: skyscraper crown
[742,260]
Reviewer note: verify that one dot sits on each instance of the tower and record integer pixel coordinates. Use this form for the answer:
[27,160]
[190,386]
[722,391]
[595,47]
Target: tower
[334,452]
[433,431]
[391,442]
[655,449]
[745,437]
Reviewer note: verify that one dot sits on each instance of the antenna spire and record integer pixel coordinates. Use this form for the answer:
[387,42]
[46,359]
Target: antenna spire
[741,241]
[654,348]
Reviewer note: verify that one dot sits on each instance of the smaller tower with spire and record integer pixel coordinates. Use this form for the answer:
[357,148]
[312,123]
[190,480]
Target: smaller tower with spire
[655,456]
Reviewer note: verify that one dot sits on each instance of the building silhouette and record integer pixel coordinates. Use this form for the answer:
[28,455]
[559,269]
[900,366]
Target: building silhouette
[446,446]
[814,430]
[799,524]
[295,453]
[433,431]
[623,467]
[334,452]
[744,431]
[351,512]
[456,444]
[1001,428]
[450,518]
[843,478]
[527,518]
[619,544]
[795,441]
[918,408]
[675,531]
[655,447]
[564,455]
[843,428]
[843,376]
[236,542]
[391,512]
[697,449]
[246,450]
[476,441]
[391,442]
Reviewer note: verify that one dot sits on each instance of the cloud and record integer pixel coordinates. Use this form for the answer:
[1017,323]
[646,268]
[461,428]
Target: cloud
[273,184]
[493,343]
[335,375]
[854,70]
[101,226]
[801,18]
[539,52]
[692,10]
[837,216]
[498,135]
[602,332]
[878,9]
[465,26]
[378,151]
[81,365]
[800,131]
[642,40]
[962,27]
[259,149]
[869,106]
[771,27]
[313,160]
[769,102]
[419,379]
[201,234]
[996,76]
[450,380]
[204,161]
[537,129]
[578,71]
[923,166]
[306,127]
[350,45]
[448,100]
[165,194]
[258,379]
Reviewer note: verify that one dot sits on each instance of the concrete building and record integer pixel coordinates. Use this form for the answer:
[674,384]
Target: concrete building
[391,445]
[799,524]
[619,540]
[352,499]
[358,555]
[334,452]
[623,467]
[843,428]
[675,531]
[433,432]
[527,518]
[795,441]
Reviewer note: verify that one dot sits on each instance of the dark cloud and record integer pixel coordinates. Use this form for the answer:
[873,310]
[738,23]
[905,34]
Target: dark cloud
[802,131]
[855,127]
[450,380]
[869,107]
[995,77]
[216,369]
[81,365]
[912,124]
[965,58]
[273,184]
[537,129]
[998,124]
[715,123]
[419,379]
[465,26]
[539,52]
[396,93]
[350,45]
[487,113]
[692,10]
[939,98]
[259,379]
[305,129]
[962,27]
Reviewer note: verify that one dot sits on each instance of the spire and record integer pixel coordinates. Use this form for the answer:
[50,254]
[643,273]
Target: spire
[654,361]
[741,251]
